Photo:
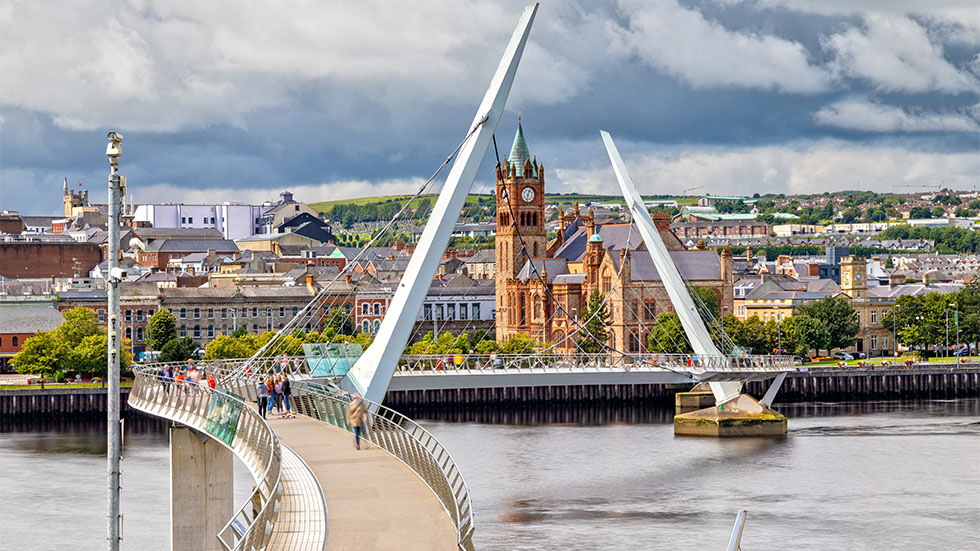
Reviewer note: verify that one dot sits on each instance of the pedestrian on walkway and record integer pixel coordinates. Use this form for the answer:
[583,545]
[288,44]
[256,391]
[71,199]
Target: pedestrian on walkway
[262,396]
[357,418]
[277,387]
[211,382]
[286,392]
[270,392]
[166,376]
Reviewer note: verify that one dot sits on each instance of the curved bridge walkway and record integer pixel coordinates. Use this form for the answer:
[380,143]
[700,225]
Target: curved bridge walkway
[374,502]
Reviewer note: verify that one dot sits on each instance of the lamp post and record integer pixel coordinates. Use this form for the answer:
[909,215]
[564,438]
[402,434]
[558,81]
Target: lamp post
[956,320]
[779,332]
[894,332]
[946,350]
[116,274]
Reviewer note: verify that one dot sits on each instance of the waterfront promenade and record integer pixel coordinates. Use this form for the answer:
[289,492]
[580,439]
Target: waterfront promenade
[374,502]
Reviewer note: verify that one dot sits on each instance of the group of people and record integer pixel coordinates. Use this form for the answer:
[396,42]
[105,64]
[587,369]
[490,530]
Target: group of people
[274,391]
[187,378]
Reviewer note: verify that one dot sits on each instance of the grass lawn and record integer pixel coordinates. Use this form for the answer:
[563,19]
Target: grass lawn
[877,361]
[49,386]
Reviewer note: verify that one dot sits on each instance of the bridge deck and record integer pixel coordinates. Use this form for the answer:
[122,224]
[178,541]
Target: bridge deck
[302,523]
[373,500]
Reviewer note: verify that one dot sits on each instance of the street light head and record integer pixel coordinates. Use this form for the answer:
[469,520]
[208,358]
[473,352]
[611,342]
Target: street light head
[115,137]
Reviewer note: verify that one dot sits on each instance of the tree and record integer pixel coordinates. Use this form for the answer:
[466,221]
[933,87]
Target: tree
[177,350]
[92,355]
[805,334]
[42,355]
[519,344]
[938,211]
[596,316]
[340,321]
[668,336]
[79,323]
[240,332]
[224,347]
[710,299]
[920,212]
[163,328]
[838,316]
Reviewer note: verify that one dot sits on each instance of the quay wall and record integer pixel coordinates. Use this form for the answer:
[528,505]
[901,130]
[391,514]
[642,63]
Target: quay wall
[816,385]
[54,402]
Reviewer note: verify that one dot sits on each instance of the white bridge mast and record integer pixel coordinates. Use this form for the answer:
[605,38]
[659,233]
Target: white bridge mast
[696,331]
[372,372]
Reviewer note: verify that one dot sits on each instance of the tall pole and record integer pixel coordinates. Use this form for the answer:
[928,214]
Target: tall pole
[113,151]
[946,351]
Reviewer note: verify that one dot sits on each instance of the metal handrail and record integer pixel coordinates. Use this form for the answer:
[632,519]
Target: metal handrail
[403,439]
[255,443]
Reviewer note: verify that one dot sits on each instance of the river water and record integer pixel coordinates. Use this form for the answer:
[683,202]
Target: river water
[857,476]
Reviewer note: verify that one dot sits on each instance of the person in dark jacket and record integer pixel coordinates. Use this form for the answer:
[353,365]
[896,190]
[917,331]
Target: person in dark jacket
[262,391]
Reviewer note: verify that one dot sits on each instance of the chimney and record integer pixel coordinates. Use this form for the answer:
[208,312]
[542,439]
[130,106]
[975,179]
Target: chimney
[662,221]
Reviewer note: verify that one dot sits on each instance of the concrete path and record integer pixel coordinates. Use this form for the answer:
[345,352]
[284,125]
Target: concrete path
[373,500]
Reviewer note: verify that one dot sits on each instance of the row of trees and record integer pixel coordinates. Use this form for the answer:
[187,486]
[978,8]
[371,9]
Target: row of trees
[824,325]
[948,239]
[928,321]
[78,344]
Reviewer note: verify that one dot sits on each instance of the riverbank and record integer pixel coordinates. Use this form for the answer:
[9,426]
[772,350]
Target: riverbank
[57,400]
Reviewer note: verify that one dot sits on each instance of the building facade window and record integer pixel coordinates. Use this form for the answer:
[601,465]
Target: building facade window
[475,310]
[268,312]
[183,331]
[377,308]
[129,316]
[101,314]
[224,313]
[377,324]
[427,312]
[139,315]
[183,313]
[451,312]
[365,326]
[874,316]
[210,331]
[440,312]
[14,341]
[859,318]
[139,334]
[197,313]
[129,333]
[874,342]
[197,331]
[255,312]
[210,313]
[463,312]
[634,342]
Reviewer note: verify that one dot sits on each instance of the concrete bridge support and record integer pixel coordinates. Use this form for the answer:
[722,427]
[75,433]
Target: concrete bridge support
[201,490]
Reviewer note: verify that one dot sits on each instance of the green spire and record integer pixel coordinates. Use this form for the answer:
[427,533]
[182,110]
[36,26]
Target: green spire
[519,151]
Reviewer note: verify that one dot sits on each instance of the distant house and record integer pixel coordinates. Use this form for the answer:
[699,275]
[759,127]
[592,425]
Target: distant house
[159,253]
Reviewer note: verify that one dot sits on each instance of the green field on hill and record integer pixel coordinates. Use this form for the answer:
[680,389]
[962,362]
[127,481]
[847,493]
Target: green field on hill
[551,198]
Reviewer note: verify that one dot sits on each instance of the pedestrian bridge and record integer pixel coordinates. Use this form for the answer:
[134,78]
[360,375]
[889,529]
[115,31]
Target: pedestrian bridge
[313,491]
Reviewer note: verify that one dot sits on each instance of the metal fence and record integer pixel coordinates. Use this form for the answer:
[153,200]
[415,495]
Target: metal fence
[254,442]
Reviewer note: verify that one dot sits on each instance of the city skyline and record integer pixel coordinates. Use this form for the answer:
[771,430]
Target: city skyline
[787,96]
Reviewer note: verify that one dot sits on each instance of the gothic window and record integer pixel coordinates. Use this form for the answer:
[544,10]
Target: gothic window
[606,284]
[536,250]
[557,337]
[538,313]
[633,310]
[634,342]
[650,311]
[523,309]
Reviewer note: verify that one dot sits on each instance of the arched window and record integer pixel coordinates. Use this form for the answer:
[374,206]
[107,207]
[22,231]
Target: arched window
[523,309]
[538,311]
[15,341]
[557,337]
[377,324]
[210,331]
[365,326]
[129,333]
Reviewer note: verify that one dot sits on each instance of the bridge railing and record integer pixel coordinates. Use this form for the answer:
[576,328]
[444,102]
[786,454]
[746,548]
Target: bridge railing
[251,439]
[405,440]
[427,363]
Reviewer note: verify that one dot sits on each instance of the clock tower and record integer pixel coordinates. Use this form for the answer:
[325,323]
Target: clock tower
[520,213]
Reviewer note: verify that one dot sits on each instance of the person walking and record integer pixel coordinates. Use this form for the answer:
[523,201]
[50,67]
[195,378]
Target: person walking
[211,382]
[357,418]
[270,392]
[277,387]
[286,392]
[165,377]
[262,396]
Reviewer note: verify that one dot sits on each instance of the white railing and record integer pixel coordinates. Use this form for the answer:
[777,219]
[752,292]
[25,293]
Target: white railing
[253,441]
[689,363]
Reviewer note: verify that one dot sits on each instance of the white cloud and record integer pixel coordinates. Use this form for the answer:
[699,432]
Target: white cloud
[805,167]
[187,64]
[895,54]
[869,117]
[703,53]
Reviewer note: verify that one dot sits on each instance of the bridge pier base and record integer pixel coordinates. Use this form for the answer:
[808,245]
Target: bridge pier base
[743,416]
[201,490]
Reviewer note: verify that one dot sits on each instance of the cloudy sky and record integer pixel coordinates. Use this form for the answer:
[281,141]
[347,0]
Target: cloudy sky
[235,101]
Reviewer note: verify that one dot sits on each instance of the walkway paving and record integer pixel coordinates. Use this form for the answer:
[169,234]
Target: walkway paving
[373,500]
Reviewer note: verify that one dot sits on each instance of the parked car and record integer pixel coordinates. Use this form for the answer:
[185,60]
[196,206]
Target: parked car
[859,355]
[965,351]
[843,356]
[800,360]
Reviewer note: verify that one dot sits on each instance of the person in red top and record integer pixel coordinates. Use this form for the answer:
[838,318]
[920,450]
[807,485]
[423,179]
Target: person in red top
[180,381]
[211,382]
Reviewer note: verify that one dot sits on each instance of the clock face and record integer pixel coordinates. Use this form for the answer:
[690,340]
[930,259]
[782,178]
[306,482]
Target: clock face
[858,276]
[527,194]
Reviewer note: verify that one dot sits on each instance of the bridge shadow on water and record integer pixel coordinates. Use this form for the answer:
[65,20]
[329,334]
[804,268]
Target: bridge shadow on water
[662,412]
[85,434]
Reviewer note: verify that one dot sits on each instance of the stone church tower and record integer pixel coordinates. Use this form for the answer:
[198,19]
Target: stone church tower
[520,214]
